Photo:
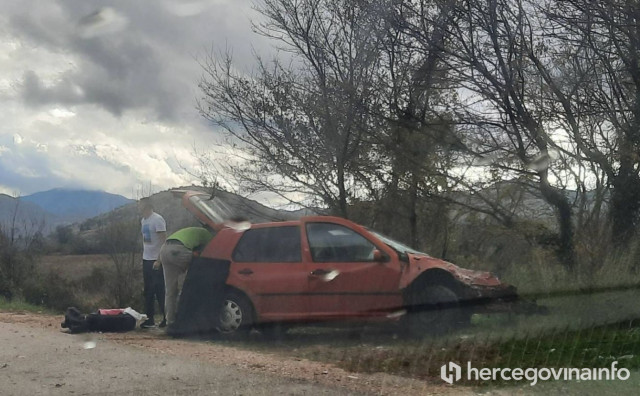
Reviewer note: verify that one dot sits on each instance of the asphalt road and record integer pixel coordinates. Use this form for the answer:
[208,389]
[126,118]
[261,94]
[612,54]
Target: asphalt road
[40,362]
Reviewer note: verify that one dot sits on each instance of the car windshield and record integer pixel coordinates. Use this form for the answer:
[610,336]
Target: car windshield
[395,245]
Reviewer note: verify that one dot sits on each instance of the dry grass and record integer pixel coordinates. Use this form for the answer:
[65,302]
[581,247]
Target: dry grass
[83,281]
[74,267]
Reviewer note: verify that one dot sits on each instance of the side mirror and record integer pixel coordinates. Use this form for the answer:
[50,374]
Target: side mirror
[379,257]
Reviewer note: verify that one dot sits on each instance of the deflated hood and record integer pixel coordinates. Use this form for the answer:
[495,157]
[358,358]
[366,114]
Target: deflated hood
[419,263]
[480,278]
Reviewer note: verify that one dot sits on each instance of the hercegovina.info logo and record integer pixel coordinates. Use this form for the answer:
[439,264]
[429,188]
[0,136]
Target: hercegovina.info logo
[452,373]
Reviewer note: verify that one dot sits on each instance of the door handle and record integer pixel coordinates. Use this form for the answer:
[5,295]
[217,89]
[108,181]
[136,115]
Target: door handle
[245,271]
[319,272]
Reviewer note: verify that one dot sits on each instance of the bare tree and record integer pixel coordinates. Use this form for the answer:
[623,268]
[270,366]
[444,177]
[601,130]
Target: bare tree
[600,45]
[405,101]
[120,240]
[20,243]
[301,126]
[415,132]
[488,50]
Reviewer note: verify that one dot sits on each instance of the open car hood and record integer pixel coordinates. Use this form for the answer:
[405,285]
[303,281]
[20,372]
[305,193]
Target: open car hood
[210,211]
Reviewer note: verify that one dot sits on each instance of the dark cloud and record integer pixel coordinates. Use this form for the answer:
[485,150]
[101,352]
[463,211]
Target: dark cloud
[42,26]
[117,76]
[130,55]
[35,93]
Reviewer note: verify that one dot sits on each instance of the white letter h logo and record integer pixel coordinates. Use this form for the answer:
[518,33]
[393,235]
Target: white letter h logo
[450,373]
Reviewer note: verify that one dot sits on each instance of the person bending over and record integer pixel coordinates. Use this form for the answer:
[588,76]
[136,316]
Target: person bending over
[175,256]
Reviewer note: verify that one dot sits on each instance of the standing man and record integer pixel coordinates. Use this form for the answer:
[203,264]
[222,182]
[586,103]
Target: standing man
[154,233]
[175,256]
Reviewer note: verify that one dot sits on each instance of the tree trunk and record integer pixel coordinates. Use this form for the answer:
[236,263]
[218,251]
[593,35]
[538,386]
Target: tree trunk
[625,198]
[560,202]
[413,211]
[342,193]
[625,204]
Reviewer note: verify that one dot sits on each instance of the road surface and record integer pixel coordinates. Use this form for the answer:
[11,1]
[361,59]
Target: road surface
[41,362]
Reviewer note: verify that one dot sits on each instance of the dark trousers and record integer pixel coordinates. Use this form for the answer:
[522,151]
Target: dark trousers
[153,288]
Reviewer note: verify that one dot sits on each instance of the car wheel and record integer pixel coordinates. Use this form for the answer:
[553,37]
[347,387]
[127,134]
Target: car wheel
[434,309]
[236,315]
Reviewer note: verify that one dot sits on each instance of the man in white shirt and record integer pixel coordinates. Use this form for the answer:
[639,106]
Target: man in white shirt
[154,233]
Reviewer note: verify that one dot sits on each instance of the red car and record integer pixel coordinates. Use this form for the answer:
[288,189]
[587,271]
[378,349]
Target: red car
[323,268]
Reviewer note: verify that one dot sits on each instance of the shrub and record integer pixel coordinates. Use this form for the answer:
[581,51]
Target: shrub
[52,291]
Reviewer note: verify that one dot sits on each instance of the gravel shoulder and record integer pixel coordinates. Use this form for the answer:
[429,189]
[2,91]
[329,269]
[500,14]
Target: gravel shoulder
[37,357]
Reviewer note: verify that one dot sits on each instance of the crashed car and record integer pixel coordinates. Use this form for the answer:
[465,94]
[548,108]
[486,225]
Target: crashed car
[323,268]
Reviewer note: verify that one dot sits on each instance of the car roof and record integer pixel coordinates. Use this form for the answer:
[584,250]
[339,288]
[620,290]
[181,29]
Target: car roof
[305,219]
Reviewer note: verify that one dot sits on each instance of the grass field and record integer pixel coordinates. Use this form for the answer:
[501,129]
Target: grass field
[87,282]
[17,305]
[75,267]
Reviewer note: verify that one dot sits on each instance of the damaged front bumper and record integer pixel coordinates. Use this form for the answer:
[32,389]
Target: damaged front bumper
[499,299]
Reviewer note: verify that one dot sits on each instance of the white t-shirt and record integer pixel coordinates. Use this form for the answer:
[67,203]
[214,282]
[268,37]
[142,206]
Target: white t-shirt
[151,242]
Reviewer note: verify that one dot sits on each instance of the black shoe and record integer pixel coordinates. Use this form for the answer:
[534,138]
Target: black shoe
[148,324]
[163,323]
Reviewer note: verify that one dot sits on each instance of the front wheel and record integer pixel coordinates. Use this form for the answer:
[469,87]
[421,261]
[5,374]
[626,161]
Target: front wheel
[434,309]
[236,315]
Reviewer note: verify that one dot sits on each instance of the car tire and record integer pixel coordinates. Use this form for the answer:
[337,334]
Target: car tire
[236,315]
[434,310]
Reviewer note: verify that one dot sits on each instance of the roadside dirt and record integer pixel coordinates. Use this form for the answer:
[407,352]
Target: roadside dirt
[216,353]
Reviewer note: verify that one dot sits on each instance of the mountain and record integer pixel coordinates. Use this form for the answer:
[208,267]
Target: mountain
[24,217]
[76,205]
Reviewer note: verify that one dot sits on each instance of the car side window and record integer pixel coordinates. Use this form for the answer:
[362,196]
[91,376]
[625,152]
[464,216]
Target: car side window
[269,245]
[336,243]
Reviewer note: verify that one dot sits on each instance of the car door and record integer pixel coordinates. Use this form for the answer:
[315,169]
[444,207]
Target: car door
[267,264]
[344,279]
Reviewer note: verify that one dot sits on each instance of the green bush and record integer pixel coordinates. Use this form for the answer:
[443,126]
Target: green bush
[16,265]
[52,291]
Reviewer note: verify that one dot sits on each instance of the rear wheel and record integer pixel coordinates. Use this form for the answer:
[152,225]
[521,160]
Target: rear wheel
[434,309]
[236,315]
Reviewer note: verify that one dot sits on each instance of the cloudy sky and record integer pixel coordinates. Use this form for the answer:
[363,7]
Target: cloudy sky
[103,96]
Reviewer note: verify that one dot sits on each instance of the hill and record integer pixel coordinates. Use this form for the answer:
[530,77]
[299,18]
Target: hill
[25,217]
[170,207]
[70,206]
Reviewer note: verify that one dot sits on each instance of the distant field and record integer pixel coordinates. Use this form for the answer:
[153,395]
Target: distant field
[75,267]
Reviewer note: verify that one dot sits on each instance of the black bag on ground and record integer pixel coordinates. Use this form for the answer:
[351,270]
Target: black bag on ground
[77,322]
[111,323]
[201,297]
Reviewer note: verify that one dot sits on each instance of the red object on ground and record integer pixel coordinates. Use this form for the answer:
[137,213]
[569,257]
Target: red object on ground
[109,312]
